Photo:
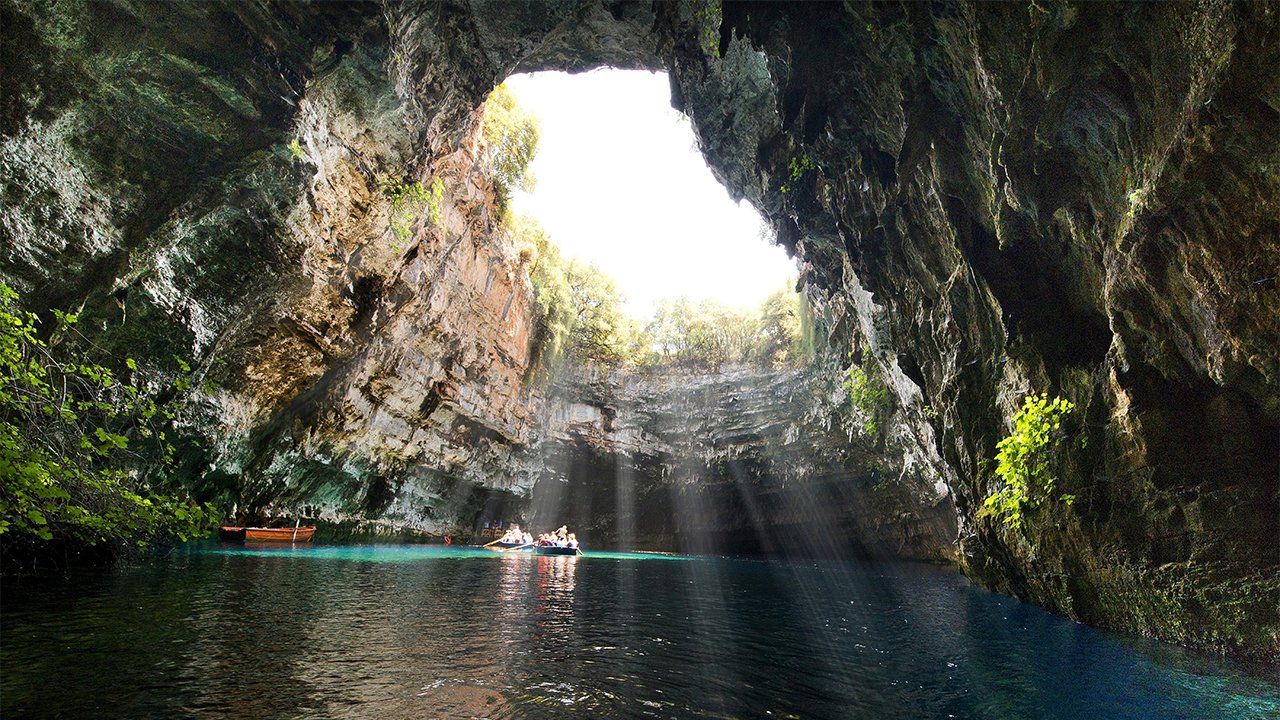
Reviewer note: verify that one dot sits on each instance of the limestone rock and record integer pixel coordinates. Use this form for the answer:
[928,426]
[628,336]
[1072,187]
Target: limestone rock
[988,201]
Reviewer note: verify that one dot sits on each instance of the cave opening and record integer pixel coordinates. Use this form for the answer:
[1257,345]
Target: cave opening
[674,288]
[618,180]
[987,202]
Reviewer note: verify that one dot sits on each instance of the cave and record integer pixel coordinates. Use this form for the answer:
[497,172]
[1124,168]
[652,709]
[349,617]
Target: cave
[987,202]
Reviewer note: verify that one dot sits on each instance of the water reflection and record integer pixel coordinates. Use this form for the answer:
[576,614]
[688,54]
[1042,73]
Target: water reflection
[433,633]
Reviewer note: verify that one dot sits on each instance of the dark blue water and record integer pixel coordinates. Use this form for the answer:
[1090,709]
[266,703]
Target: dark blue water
[418,632]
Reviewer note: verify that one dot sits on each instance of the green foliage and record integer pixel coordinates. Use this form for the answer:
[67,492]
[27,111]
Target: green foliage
[79,445]
[1137,199]
[581,316]
[579,307]
[870,397]
[798,168]
[600,329]
[409,201]
[295,149]
[805,344]
[786,329]
[546,269]
[707,18]
[711,335]
[511,140]
[1025,459]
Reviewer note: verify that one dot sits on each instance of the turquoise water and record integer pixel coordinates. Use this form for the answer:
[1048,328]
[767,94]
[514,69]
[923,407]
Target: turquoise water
[427,632]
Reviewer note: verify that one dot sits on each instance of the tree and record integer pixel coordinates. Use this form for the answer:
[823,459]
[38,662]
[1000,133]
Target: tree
[549,277]
[670,332]
[601,331]
[581,316]
[511,140]
[711,334]
[784,319]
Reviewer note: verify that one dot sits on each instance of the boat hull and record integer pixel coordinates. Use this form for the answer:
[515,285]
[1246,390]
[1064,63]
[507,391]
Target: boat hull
[229,533]
[553,550]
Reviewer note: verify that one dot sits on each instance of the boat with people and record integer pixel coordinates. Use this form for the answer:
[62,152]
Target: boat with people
[512,540]
[295,534]
[558,542]
[556,550]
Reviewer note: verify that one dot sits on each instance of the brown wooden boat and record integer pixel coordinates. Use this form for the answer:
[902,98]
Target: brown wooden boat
[257,534]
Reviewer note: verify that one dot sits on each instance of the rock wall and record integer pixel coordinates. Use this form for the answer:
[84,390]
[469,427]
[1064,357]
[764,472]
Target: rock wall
[240,218]
[1073,199]
[745,460]
[988,200]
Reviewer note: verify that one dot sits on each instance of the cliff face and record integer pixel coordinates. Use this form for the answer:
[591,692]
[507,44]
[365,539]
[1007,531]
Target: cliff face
[988,200]
[1072,199]
[746,460]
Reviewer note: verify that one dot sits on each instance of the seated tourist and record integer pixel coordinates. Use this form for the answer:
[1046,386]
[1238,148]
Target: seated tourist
[573,541]
[526,538]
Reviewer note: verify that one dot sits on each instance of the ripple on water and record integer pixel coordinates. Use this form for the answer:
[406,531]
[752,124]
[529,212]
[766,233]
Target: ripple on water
[419,631]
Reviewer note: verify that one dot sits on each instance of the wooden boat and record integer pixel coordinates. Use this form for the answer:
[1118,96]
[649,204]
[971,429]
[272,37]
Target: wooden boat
[230,533]
[505,546]
[554,550]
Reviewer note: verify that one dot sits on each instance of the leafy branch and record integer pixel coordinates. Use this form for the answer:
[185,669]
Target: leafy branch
[1025,460]
[80,447]
[870,396]
[409,201]
[798,167]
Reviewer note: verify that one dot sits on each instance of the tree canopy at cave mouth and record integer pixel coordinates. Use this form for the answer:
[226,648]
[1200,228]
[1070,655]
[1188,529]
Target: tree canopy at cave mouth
[606,189]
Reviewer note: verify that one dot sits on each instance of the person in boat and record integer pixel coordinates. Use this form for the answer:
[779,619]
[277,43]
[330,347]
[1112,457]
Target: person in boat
[526,538]
[573,541]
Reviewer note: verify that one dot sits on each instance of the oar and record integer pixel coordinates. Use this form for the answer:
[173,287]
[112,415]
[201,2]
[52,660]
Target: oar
[521,547]
[495,542]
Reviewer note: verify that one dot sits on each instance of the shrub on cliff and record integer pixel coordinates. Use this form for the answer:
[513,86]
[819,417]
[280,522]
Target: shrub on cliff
[82,451]
[511,140]
[869,395]
[410,201]
[1025,460]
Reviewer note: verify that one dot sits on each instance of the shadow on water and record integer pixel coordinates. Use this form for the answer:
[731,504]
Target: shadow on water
[426,631]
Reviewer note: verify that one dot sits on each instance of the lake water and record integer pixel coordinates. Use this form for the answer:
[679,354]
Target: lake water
[428,632]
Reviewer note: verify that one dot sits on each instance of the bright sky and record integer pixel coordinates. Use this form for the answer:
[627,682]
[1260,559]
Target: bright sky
[621,183]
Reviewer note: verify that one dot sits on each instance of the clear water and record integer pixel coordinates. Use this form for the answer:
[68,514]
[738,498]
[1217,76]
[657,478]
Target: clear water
[424,632]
